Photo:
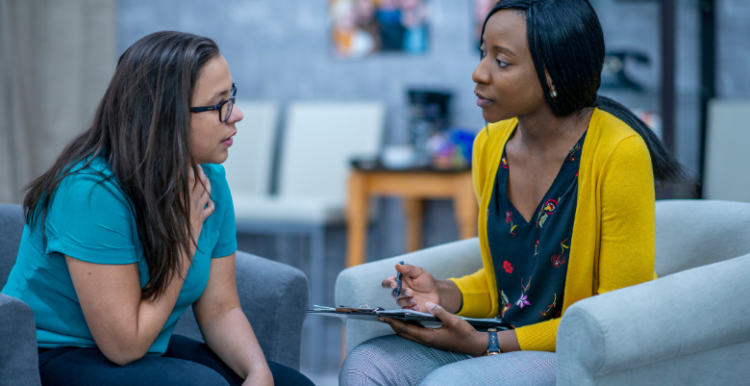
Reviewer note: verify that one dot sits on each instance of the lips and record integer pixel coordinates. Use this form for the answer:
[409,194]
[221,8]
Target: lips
[229,141]
[482,101]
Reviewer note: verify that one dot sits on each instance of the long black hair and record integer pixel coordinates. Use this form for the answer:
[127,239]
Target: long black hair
[565,38]
[142,130]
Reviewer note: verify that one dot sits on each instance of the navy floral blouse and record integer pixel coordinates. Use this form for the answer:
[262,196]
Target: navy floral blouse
[530,258]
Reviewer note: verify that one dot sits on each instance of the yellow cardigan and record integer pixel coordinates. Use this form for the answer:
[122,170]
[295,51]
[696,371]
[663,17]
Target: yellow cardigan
[614,231]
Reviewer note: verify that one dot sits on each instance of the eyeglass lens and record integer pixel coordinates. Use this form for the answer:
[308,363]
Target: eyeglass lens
[226,110]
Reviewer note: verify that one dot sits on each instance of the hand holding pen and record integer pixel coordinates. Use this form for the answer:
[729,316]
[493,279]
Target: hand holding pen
[412,287]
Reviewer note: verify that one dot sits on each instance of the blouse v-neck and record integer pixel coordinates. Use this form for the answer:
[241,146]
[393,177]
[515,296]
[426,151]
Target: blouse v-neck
[504,163]
[530,256]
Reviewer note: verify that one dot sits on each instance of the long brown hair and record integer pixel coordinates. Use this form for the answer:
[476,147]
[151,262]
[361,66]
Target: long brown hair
[142,130]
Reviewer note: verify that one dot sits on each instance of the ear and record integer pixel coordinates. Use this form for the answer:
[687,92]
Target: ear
[549,80]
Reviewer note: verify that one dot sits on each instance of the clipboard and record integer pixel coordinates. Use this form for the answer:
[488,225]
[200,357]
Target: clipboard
[364,312]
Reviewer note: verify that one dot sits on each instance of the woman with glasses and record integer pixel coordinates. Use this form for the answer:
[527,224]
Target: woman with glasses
[565,184]
[134,223]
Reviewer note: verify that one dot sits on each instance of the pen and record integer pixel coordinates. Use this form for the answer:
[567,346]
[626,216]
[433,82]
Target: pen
[397,291]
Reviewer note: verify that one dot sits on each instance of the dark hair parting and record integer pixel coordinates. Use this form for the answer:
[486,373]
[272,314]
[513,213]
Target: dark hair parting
[566,40]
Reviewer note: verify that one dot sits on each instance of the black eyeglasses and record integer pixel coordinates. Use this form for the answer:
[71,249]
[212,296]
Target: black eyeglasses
[224,107]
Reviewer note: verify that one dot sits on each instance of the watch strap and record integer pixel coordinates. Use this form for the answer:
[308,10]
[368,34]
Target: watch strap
[493,347]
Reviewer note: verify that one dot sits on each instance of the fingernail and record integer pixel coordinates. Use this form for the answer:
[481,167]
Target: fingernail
[380,319]
[408,293]
[393,285]
[431,305]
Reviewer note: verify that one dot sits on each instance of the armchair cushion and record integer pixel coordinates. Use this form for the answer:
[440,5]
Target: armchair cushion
[692,233]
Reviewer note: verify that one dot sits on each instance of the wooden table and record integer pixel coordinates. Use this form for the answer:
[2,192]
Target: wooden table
[413,186]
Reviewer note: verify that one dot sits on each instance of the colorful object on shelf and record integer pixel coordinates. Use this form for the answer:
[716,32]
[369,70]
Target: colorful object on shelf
[451,149]
[360,28]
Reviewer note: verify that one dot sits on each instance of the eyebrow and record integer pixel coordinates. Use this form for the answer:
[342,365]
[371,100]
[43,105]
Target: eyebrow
[501,48]
[220,93]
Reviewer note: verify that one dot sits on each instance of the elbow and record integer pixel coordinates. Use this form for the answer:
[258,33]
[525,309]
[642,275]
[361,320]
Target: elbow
[123,354]
[122,360]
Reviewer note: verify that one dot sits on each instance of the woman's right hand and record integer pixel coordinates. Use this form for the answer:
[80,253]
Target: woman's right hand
[201,205]
[417,288]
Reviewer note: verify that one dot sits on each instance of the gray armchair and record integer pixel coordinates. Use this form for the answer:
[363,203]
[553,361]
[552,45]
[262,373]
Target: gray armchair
[690,327]
[274,297]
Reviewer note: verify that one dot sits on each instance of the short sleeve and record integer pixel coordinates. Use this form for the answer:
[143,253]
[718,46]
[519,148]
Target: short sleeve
[226,244]
[90,219]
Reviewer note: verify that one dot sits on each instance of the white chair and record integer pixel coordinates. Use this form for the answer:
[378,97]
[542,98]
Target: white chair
[317,144]
[725,177]
[250,162]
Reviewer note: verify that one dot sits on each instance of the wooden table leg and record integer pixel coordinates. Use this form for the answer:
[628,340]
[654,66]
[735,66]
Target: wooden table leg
[466,208]
[356,214]
[414,210]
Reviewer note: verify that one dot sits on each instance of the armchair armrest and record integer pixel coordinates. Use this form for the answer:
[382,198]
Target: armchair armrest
[19,358]
[687,328]
[274,297]
[361,284]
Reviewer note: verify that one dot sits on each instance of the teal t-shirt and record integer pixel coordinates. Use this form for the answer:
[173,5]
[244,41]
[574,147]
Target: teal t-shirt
[92,221]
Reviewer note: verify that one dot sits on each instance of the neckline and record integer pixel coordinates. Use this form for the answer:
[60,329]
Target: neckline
[555,182]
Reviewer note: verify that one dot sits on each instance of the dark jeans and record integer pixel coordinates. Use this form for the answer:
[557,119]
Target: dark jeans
[187,362]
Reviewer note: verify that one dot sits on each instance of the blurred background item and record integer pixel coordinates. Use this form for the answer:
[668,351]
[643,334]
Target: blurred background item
[728,134]
[614,74]
[363,27]
[429,113]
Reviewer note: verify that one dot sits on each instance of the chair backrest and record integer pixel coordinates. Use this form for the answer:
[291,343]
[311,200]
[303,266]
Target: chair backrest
[726,155]
[251,156]
[11,228]
[320,139]
[692,233]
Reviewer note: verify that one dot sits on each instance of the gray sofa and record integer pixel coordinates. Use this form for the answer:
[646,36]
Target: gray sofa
[274,297]
[689,327]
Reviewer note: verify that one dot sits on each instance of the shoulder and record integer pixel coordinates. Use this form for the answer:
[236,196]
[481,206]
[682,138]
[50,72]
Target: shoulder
[617,139]
[86,181]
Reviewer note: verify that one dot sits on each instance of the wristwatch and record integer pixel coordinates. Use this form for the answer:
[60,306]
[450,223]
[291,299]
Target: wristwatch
[493,348]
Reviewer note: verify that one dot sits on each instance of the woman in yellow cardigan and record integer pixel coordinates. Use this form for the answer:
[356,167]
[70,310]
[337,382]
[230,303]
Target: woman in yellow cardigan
[565,184]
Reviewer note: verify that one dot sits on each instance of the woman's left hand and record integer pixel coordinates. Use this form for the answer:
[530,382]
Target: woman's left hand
[455,334]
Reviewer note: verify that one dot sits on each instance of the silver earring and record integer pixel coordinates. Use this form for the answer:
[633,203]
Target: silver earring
[553,94]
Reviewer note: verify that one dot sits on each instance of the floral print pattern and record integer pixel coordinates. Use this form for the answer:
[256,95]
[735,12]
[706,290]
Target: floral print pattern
[536,251]
[523,301]
[559,260]
[547,209]
[505,304]
[509,220]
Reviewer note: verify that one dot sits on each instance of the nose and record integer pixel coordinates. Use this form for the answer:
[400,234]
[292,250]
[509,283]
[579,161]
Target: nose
[236,115]
[480,74]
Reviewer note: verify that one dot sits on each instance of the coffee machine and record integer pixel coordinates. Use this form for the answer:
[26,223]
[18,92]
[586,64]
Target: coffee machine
[429,113]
